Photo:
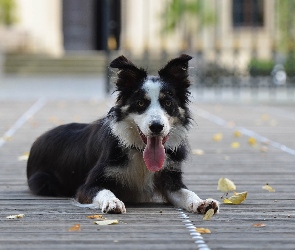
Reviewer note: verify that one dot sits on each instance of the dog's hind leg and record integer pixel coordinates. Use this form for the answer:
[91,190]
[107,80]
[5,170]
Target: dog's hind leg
[43,183]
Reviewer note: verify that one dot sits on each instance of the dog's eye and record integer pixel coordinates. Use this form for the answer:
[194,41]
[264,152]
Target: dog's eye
[168,103]
[140,103]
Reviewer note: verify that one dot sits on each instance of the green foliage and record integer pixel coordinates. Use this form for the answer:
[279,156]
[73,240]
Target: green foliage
[178,12]
[290,65]
[264,67]
[7,12]
[286,26]
[260,67]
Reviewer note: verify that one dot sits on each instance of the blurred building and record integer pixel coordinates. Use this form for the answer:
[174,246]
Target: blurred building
[58,26]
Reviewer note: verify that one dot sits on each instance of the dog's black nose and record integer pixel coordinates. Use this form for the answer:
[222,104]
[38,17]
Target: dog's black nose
[156,127]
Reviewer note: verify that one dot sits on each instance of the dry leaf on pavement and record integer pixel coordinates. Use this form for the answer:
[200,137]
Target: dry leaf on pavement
[259,225]
[237,133]
[252,141]
[197,151]
[236,199]
[74,228]
[209,214]
[106,222]
[202,230]
[235,144]
[225,185]
[217,137]
[24,156]
[268,188]
[15,216]
[95,216]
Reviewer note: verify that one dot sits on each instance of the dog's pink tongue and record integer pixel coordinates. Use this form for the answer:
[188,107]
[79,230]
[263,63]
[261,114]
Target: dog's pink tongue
[154,153]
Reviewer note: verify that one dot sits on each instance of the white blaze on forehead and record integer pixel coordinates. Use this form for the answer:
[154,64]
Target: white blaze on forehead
[154,113]
[152,89]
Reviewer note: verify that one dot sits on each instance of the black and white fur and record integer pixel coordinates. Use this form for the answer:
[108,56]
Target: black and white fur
[102,163]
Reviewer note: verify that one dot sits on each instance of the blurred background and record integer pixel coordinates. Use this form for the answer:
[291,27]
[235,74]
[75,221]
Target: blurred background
[241,48]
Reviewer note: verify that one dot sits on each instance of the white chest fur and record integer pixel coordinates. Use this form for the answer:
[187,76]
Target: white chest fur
[136,177]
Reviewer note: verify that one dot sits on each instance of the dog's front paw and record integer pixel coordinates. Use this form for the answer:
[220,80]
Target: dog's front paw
[113,206]
[108,202]
[203,206]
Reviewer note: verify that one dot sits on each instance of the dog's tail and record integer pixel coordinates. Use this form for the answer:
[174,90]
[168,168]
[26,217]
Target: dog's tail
[44,183]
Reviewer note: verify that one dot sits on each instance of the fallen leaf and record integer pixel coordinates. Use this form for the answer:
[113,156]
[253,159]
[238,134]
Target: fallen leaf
[106,222]
[273,123]
[209,214]
[76,227]
[231,124]
[7,138]
[265,117]
[268,188]
[226,158]
[197,152]
[263,149]
[235,144]
[225,185]
[259,225]
[236,199]
[252,141]
[217,137]
[237,133]
[24,156]
[202,230]
[15,216]
[95,216]
[55,120]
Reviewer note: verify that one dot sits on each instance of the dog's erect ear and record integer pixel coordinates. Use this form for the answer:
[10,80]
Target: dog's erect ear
[128,74]
[176,69]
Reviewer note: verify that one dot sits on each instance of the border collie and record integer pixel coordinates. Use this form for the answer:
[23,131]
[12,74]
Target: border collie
[133,154]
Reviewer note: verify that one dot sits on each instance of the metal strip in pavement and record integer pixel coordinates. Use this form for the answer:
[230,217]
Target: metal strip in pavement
[197,237]
[221,122]
[22,120]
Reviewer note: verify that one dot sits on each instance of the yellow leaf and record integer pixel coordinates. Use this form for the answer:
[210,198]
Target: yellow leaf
[259,225]
[106,222]
[252,141]
[209,214]
[76,227]
[235,144]
[202,230]
[236,199]
[238,133]
[95,216]
[24,156]
[217,137]
[268,188]
[7,138]
[225,185]
[15,216]
[197,152]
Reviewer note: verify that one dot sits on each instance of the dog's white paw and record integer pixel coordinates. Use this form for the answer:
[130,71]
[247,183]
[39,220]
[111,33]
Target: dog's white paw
[108,202]
[189,200]
[114,206]
[201,207]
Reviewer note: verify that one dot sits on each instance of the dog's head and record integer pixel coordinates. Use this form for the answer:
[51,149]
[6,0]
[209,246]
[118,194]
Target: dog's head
[151,111]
